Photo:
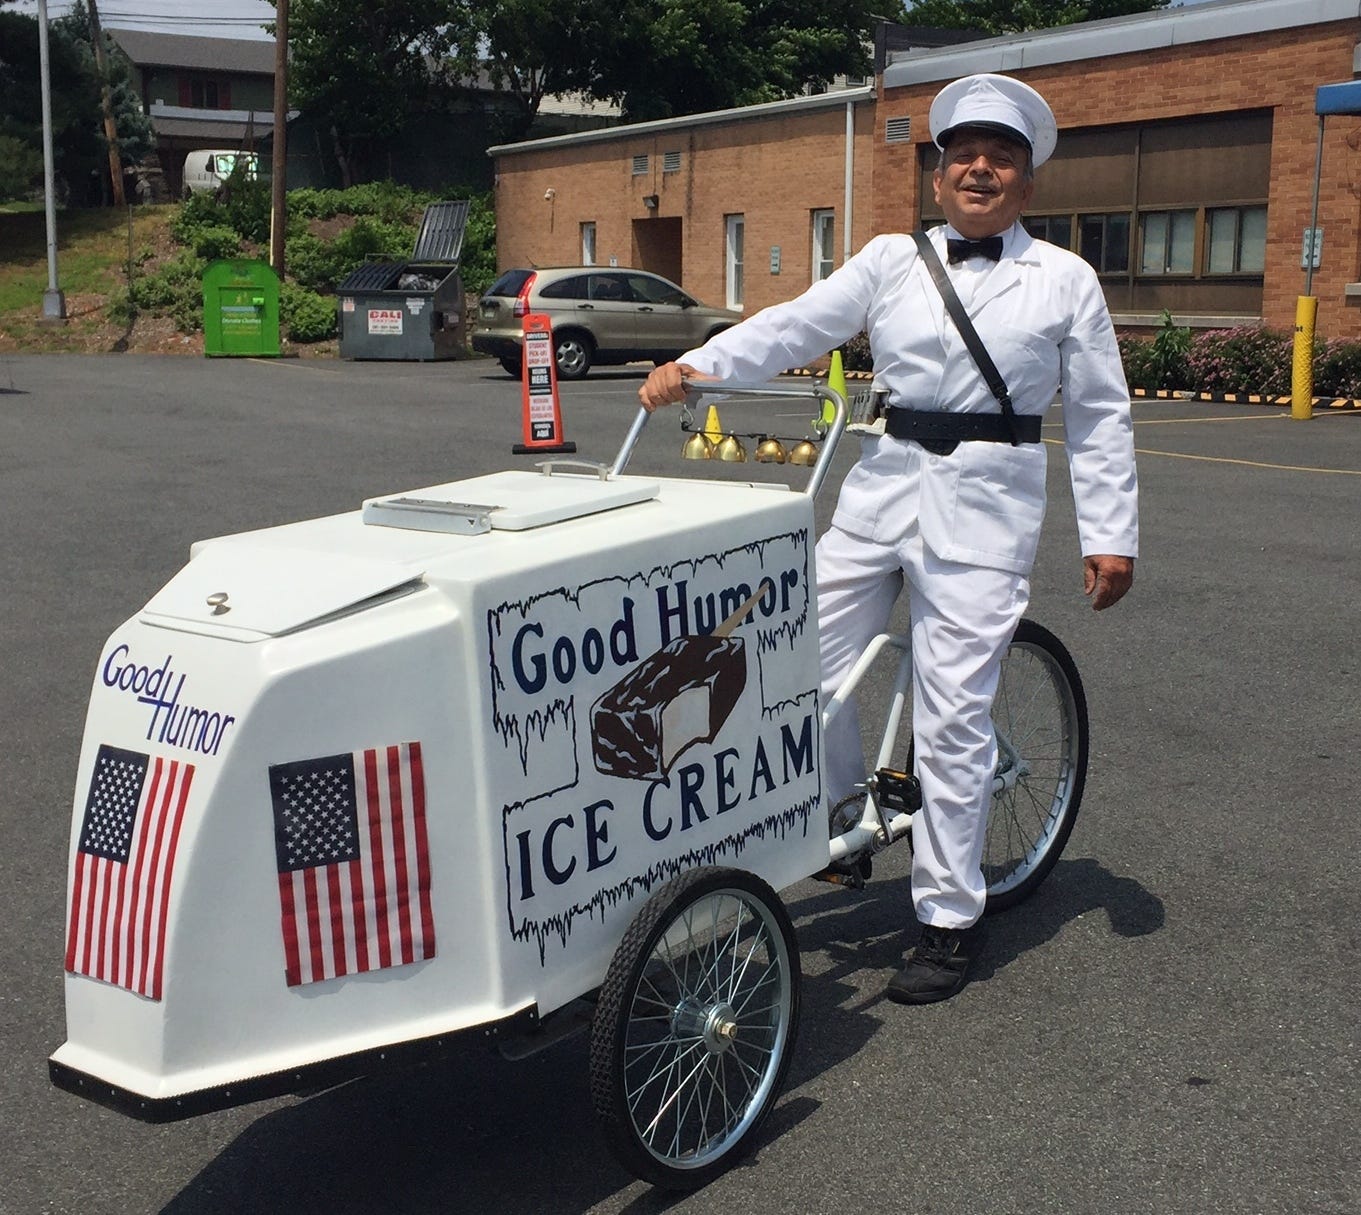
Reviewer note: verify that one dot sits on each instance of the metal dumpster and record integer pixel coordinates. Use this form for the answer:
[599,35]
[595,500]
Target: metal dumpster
[410,310]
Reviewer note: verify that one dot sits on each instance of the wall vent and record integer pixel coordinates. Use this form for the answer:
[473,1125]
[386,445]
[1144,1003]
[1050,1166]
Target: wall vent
[671,162]
[897,130]
[639,165]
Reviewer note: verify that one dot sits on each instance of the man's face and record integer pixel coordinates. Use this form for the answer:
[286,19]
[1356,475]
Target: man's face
[982,185]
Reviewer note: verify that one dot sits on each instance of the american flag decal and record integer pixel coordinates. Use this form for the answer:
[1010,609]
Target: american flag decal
[354,866]
[120,890]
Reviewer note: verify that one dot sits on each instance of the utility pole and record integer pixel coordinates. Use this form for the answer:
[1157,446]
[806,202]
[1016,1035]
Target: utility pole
[106,103]
[54,302]
[278,209]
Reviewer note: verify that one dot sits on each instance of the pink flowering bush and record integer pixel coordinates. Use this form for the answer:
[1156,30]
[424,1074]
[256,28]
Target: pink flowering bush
[1246,360]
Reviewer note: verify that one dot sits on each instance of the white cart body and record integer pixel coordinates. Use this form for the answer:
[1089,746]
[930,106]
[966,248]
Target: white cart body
[461,663]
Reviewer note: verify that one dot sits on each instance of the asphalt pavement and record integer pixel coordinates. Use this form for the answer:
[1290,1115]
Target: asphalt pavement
[1169,1026]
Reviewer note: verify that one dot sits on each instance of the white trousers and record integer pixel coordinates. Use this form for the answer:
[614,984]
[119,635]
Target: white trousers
[962,619]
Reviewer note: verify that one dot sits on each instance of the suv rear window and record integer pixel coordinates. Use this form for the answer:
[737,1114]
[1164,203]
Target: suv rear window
[573,288]
[510,283]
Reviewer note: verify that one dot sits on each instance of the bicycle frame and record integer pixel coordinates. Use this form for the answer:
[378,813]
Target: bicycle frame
[875,831]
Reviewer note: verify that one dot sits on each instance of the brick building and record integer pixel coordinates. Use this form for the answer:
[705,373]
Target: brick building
[1184,172]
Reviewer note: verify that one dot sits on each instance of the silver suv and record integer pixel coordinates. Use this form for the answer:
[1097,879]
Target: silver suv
[599,314]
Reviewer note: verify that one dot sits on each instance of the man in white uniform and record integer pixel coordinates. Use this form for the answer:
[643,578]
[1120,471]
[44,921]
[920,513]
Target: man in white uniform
[948,500]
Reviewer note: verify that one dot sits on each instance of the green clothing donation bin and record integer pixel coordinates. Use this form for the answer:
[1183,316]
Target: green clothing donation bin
[240,308]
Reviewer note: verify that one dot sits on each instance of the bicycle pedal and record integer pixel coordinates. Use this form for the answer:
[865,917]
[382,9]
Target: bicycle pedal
[899,792]
[853,874]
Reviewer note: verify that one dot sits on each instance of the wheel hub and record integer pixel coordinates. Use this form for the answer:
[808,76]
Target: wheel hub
[716,1024]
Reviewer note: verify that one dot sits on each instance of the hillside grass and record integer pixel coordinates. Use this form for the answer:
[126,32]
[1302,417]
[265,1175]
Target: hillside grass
[94,250]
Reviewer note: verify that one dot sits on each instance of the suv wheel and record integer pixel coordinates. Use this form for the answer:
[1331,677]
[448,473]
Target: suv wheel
[511,367]
[574,355]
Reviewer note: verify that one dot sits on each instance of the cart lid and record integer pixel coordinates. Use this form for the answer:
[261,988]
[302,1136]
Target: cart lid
[507,501]
[249,591]
[441,236]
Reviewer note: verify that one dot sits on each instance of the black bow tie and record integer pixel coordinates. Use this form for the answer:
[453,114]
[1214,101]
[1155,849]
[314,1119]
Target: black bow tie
[957,250]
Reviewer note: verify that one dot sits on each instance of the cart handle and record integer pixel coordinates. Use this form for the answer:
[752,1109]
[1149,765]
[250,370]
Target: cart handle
[735,388]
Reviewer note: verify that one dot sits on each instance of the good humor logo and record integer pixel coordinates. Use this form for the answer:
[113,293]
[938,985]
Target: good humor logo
[173,721]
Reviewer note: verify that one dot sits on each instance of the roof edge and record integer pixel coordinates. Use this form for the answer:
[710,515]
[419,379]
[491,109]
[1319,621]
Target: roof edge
[744,113]
[1112,36]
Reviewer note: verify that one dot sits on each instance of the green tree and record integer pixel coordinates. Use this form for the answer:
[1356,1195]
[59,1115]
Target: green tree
[75,109]
[80,155]
[136,136]
[659,58]
[361,68]
[1013,16]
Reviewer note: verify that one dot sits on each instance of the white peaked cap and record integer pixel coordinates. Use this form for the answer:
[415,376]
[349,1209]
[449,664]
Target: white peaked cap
[996,103]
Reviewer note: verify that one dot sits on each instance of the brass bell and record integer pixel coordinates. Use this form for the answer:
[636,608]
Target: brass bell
[769,451]
[698,447]
[731,450]
[804,453]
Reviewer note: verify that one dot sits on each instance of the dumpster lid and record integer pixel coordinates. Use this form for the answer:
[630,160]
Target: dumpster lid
[441,236]
[371,276]
[248,590]
[507,501]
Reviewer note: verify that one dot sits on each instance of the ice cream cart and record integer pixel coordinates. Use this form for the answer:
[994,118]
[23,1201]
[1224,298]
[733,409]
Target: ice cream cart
[494,757]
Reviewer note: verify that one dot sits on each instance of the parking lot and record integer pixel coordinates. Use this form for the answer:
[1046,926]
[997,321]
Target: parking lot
[1169,1026]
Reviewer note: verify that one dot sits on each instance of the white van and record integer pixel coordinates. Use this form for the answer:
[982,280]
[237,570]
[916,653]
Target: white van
[208,168]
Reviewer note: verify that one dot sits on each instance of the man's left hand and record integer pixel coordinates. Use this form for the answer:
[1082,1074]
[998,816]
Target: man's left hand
[1106,579]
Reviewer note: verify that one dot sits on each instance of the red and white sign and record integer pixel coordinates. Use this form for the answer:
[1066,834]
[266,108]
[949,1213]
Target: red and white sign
[385,320]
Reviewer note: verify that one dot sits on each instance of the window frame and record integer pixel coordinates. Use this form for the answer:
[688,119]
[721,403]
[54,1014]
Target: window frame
[823,260]
[734,259]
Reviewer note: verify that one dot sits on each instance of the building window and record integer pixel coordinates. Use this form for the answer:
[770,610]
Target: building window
[735,225]
[588,244]
[1056,229]
[1103,242]
[1235,240]
[1168,241]
[639,165]
[824,248]
[205,93]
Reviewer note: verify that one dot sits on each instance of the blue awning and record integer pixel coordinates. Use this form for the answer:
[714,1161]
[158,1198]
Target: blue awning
[1344,98]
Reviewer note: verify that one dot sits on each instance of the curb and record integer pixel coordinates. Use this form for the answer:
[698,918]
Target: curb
[1239,398]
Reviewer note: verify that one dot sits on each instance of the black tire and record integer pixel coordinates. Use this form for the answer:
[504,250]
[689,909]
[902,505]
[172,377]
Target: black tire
[575,352]
[683,1068]
[1040,716]
[512,367]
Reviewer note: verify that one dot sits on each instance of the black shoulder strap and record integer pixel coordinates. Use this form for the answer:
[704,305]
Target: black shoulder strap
[996,384]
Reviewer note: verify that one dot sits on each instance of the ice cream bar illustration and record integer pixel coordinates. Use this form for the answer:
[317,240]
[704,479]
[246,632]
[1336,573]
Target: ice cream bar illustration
[676,697]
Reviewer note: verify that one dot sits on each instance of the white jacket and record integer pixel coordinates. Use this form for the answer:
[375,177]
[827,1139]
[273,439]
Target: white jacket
[1041,314]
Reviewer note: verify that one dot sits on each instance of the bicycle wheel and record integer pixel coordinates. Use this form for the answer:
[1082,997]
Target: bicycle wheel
[694,1026]
[1040,716]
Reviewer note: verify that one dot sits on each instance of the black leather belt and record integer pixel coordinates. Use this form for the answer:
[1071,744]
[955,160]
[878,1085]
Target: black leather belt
[942,432]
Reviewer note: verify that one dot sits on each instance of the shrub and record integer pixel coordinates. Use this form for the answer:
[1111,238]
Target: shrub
[246,206]
[1160,362]
[197,212]
[21,168]
[174,290]
[311,262]
[211,243]
[307,316]
[1337,369]
[855,354]
[1245,359]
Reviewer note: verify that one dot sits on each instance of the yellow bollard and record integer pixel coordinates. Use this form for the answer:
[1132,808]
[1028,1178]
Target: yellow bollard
[1302,369]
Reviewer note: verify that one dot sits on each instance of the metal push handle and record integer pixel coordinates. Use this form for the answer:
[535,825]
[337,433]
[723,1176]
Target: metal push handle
[735,388]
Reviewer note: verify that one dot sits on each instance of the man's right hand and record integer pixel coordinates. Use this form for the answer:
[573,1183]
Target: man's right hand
[664,385]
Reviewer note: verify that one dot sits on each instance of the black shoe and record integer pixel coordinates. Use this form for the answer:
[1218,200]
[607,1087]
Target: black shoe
[937,966]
